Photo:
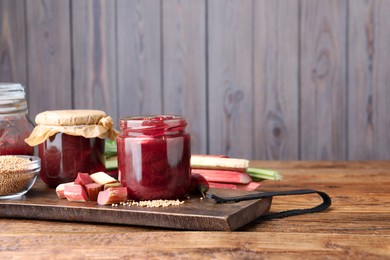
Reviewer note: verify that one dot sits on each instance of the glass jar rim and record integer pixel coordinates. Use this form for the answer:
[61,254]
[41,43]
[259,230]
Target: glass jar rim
[152,123]
[12,98]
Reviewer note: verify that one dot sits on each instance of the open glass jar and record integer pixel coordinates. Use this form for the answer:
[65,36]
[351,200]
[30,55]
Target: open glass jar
[69,142]
[14,123]
[154,157]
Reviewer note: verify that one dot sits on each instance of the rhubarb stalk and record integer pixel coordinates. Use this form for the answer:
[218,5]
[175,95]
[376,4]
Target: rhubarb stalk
[263,174]
[210,162]
[252,186]
[223,176]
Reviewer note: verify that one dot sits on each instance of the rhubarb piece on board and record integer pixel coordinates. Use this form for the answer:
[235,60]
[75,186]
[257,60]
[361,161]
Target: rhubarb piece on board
[83,179]
[75,192]
[60,190]
[102,178]
[112,195]
[252,186]
[93,190]
[224,176]
[111,185]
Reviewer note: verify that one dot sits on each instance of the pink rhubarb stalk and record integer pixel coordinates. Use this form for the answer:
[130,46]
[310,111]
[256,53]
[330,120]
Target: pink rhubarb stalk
[223,176]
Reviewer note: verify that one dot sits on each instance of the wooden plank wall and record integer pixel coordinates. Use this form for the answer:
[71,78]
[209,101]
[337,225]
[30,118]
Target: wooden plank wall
[258,79]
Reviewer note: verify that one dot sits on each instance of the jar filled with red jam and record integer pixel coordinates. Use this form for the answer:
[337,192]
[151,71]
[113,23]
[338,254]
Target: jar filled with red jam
[69,142]
[154,157]
[14,123]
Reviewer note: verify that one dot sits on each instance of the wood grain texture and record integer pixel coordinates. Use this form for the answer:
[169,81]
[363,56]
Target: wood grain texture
[184,66]
[139,57]
[368,106]
[230,78]
[323,80]
[49,55]
[195,214]
[355,227]
[196,245]
[12,42]
[276,99]
[94,56]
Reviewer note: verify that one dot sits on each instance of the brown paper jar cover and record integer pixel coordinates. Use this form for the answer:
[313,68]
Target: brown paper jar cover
[86,123]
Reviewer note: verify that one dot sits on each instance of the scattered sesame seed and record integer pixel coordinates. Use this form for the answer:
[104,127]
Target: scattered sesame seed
[153,203]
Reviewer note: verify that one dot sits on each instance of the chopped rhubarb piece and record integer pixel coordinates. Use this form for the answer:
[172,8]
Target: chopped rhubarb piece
[252,186]
[75,192]
[102,178]
[112,195]
[93,190]
[223,176]
[111,185]
[83,179]
[60,190]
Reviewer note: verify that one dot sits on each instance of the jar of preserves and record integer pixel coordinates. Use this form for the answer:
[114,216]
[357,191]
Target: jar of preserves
[154,157]
[69,142]
[14,123]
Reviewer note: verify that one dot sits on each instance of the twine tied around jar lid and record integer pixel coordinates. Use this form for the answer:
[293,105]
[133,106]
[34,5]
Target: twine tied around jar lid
[86,123]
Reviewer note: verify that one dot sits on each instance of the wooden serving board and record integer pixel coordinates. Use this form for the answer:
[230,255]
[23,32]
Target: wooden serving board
[195,214]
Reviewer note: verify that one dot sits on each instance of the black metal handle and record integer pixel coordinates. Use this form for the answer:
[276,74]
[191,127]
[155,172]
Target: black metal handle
[326,201]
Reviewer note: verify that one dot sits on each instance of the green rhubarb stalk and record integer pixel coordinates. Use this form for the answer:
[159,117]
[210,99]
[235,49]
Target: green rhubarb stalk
[110,159]
[263,174]
[109,148]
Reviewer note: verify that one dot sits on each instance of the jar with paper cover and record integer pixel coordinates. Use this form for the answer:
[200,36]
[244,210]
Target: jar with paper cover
[69,142]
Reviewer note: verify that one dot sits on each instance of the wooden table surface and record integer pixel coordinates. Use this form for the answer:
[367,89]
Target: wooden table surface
[357,226]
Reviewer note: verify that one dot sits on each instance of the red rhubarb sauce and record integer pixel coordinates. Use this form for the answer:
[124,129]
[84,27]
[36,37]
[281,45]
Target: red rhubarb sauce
[63,156]
[13,130]
[154,157]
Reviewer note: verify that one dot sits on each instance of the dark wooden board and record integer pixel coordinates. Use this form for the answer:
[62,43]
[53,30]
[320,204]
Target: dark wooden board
[195,214]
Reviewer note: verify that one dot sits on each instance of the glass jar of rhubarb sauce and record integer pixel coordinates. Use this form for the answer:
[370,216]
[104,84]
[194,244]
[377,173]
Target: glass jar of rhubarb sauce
[69,142]
[14,123]
[154,157]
